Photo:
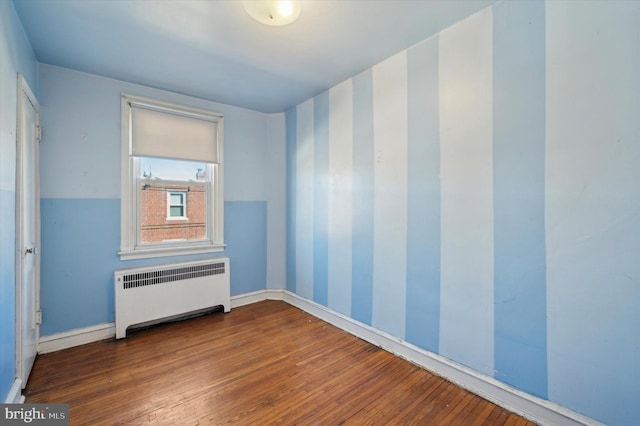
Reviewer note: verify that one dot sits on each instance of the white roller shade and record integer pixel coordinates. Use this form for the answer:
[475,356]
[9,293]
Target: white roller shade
[163,134]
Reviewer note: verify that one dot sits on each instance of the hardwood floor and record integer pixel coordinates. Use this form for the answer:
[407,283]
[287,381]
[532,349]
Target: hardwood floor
[265,363]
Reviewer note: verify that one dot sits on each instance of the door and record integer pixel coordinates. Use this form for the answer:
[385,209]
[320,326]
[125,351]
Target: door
[27,232]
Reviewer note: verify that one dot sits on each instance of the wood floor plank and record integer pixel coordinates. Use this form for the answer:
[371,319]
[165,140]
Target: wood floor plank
[265,363]
[468,413]
[455,408]
[498,417]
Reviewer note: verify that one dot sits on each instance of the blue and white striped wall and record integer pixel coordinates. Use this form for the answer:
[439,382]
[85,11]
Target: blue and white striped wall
[80,196]
[478,195]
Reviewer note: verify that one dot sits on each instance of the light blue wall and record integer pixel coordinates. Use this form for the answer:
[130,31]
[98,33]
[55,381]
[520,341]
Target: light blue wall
[494,199]
[592,207]
[80,196]
[16,56]
[519,195]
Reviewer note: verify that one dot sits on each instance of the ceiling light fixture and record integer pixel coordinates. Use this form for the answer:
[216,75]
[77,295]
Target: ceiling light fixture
[273,12]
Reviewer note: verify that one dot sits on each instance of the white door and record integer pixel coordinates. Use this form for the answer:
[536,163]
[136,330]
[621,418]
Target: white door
[28,232]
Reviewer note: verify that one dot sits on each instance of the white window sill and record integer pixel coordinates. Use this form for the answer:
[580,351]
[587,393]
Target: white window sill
[151,252]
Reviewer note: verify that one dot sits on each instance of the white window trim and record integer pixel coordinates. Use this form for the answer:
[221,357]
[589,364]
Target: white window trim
[185,215]
[129,202]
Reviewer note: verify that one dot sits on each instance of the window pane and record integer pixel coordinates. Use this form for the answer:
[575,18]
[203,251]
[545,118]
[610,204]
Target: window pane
[176,199]
[159,168]
[170,190]
[176,211]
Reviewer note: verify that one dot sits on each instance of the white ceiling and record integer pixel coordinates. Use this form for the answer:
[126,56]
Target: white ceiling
[214,50]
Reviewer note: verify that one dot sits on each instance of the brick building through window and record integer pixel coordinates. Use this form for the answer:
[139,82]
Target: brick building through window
[172,211]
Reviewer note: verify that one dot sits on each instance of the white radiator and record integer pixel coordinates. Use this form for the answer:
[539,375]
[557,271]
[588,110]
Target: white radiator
[150,294]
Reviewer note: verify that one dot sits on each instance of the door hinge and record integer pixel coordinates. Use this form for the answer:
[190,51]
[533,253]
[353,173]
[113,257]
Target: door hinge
[38,133]
[39,317]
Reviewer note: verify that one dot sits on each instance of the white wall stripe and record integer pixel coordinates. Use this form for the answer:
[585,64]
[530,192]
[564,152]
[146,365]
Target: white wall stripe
[466,329]
[340,187]
[390,194]
[276,202]
[304,200]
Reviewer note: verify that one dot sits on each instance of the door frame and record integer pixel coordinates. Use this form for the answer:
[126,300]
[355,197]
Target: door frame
[23,88]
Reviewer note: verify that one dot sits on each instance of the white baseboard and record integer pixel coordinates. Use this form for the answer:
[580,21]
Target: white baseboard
[275,293]
[15,393]
[77,337]
[82,336]
[531,407]
[256,296]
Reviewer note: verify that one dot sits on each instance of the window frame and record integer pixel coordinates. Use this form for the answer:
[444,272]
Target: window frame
[130,248]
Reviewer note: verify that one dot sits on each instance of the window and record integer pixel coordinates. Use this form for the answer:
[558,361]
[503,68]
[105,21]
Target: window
[176,205]
[171,179]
